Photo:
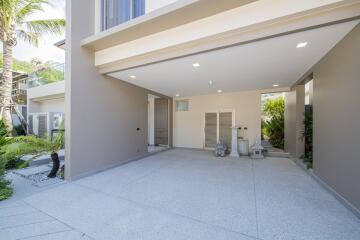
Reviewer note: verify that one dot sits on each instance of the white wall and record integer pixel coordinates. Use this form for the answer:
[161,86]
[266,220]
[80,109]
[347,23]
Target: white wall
[188,127]
[46,98]
[56,88]
[151,119]
[53,105]
[151,5]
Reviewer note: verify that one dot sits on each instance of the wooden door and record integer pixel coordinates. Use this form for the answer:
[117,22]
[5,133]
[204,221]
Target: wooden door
[161,121]
[210,129]
[225,124]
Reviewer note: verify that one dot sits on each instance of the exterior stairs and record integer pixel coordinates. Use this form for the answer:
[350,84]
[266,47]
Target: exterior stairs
[270,151]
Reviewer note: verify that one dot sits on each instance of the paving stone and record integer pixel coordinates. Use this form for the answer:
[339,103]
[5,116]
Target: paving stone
[24,219]
[33,230]
[17,210]
[67,235]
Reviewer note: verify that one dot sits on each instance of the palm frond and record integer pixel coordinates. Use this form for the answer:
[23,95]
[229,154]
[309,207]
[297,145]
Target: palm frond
[48,26]
[27,7]
[31,38]
[7,13]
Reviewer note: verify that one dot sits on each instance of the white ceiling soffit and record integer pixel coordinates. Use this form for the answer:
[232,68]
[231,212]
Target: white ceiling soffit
[257,65]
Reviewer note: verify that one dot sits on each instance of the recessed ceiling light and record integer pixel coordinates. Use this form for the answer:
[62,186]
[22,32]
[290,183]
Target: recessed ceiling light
[275,85]
[211,82]
[301,45]
[132,76]
[196,65]
[177,95]
[219,91]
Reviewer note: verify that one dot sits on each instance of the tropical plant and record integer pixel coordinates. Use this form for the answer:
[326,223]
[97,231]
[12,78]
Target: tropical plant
[15,24]
[5,189]
[273,121]
[32,145]
[307,136]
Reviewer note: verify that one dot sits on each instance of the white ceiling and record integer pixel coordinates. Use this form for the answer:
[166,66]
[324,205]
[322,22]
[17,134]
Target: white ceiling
[257,65]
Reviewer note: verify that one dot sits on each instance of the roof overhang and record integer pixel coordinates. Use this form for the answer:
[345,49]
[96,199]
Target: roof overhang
[268,63]
[233,27]
[170,16]
[60,44]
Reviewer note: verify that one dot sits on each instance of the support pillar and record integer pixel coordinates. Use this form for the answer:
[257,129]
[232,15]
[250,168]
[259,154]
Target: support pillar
[234,143]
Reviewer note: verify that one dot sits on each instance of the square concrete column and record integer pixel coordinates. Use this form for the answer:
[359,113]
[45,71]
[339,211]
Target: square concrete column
[294,121]
[234,145]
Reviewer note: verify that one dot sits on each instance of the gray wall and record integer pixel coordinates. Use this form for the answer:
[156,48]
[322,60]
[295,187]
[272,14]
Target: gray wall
[337,118]
[294,115]
[102,113]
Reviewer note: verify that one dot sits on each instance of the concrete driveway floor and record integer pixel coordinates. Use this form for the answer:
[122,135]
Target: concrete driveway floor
[184,194]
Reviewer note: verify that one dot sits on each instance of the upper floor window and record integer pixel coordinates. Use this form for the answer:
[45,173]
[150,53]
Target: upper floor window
[115,12]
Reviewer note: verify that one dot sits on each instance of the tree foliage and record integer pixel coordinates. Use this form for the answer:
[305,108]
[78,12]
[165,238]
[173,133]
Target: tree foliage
[47,72]
[16,23]
[273,121]
[18,65]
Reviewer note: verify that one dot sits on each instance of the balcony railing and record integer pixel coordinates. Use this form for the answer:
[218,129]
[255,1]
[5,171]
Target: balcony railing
[46,75]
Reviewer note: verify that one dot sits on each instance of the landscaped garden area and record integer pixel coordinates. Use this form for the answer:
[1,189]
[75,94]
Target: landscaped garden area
[12,149]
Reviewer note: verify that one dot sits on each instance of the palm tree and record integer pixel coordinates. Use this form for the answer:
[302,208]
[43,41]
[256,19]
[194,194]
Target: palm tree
[32,145]
[14,25]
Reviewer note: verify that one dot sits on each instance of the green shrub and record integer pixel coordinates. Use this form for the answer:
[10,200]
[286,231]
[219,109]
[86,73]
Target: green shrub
[19,130]
[272,125]
[307,136]
[3,131]
[5,189]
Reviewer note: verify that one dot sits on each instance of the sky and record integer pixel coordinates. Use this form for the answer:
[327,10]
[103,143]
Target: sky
[46,50]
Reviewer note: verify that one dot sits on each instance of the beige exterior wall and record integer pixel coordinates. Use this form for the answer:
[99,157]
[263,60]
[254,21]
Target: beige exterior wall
[102,113]
[337,118]
[294,117]
[188,127]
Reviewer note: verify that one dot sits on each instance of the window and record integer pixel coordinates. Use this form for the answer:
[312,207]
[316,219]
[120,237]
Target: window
[182,105]
[115,12]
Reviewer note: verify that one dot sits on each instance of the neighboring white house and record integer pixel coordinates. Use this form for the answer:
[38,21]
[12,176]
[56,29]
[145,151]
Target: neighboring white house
[45,107]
